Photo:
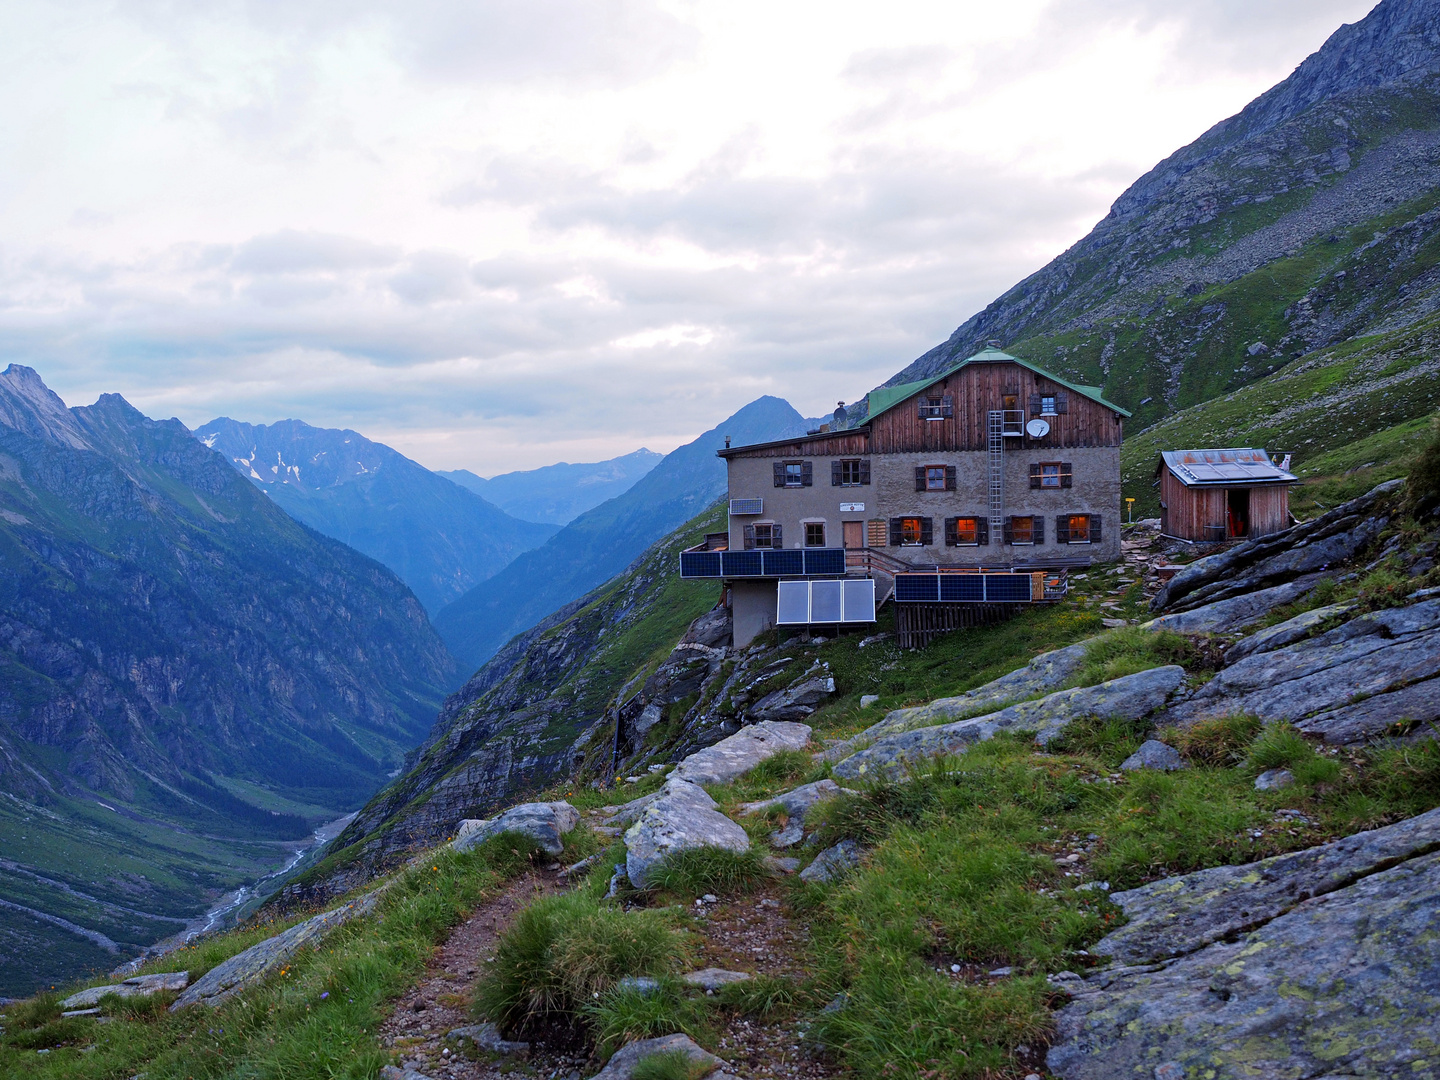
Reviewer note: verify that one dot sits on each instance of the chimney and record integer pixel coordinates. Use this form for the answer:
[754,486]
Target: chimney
[727,442]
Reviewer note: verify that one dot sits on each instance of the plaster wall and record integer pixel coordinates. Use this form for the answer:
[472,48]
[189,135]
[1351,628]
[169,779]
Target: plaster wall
[752,609]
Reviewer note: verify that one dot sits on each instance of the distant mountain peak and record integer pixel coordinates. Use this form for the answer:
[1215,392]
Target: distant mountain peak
[32,408]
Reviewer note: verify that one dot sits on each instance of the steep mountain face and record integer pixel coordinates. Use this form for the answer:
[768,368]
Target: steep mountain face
[1307,219]
[603,541]
[440,539]
[559,493]
[182,662]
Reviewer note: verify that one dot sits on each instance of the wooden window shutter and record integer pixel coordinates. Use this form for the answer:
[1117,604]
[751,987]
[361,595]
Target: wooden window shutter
[1036,404]
[896,537]
[1062,401]
[1062,529]
[1094,528]
[835,473]
[1009,533]
[1038,525]
[919,477]
[982,530]
[807,474]
[920,404]
[947,406]
[779,474]
[951,534]
[749,537]
[777,537]
[1065,474]
[875,532]
[864,470]
[927,531]
[949,477]
[1034,474]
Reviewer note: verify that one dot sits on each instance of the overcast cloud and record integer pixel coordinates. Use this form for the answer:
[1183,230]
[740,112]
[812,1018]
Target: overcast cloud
[501,233]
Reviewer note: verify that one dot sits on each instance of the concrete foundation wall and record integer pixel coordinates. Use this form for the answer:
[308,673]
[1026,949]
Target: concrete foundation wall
[752,608]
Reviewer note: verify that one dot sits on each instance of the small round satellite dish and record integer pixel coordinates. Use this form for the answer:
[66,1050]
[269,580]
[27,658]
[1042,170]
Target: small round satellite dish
[1037,429]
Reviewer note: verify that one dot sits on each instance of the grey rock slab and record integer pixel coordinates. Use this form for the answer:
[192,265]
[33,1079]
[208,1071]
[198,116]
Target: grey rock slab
[1346,984]
[545,823]
[1225,615]
[401,1072]
[866,700]
[1274,780]
[682,818]
[833,862]
[622,1065]
[739,753]
[1179,915]
[487,1037]
[1287,632]
[714,978]
[626,813]
[1154,754]
[794,702]
[1044,673]
[1362,720]
[796,803]
[256,963]
[136,986]
[1130,697]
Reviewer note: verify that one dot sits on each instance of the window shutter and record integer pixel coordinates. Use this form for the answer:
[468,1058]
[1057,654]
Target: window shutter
[951,534]
[949,477]
[1034,474]
[1065,474]
[777,538]
[1009,534]
[749,537]
[927,531]
[1094,528]
[1038,537]
[895,537]
[982,530]
[920,404]
[835,473]
[1035,405]
[919,477]
[807,474]
[864,470]
[1062,529]
[779,474]
[947,406]
[1062,401]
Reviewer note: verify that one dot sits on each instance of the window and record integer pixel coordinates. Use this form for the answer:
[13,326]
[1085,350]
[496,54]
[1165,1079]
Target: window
[936,408]
[1077,529]
[1047,404]
[814,534]
[850,472]
[763,534]
[934,477]
[911,532]
[1025,530]
[1053,403]
[967,531]
[1050,474]
[794,474]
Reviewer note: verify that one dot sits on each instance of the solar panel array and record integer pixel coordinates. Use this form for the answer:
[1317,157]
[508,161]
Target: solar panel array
[963,588]
[810,603]
[763,563]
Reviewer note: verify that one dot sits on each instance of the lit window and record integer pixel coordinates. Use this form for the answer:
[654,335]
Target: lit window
[814,534]
[935,478]
[1050,474]
[1022,530]
[967,530]
[794,474]
[1079,528]
[911,531]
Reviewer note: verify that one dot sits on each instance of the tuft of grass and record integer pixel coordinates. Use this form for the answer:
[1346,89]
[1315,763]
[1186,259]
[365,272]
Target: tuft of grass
[1397,782]
[34,1013]
[1129,650]
[1109,740]
[768,997]
[1218,743]
[563,950]
[512,853]
[625,1014]
[1422,484]
[1280,746]
[669,1065]
[709,869]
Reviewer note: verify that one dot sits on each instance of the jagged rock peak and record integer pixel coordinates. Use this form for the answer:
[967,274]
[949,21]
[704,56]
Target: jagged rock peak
[32,408]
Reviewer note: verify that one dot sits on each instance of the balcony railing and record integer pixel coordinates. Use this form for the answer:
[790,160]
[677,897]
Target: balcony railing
[698,562]
[1013,422]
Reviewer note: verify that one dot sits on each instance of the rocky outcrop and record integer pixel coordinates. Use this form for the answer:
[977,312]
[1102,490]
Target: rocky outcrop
[488,1040]
[1131,697]
[796,803]
[1322,963]
[622,1065]
[545,823]
[137,986]
[833,862]
[1223,616]
[741,752]
[1288,632]
[1342,686]
[1044,673]
[682,818]
[795,702]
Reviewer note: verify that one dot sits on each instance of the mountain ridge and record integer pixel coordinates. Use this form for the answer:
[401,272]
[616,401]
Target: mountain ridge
[559,493]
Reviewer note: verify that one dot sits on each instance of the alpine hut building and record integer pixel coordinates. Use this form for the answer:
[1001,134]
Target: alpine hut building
[1218,495]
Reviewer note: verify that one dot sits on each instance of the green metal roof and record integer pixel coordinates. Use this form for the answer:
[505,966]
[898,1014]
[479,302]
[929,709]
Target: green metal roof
[887,397]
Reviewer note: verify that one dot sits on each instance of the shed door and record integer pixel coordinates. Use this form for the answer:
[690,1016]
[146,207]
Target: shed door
[1238,511]
[854,534]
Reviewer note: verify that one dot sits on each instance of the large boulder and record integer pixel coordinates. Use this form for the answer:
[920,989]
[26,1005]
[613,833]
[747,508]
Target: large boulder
[622,1065]
[1044,673]
[1223,616]
[136,986]
[739,753]
[1342,686]
[1325,968]
[682,818]
[794,702]
[545,823]
[1131,697]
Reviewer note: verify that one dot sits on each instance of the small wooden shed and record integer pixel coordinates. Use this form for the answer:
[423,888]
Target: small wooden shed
[1208,495]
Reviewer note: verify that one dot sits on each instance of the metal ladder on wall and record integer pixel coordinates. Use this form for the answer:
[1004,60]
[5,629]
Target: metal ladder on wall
[996,418]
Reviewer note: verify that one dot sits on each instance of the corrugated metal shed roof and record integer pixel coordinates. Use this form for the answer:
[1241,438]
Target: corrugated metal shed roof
[1201,468]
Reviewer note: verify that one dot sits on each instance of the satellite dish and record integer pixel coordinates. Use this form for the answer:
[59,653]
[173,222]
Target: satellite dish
[1037,429]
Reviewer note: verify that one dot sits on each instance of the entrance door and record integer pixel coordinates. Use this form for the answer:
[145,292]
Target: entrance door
[854,534]
[1238,516]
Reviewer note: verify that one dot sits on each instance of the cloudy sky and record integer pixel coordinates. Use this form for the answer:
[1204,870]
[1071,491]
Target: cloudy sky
[501,233]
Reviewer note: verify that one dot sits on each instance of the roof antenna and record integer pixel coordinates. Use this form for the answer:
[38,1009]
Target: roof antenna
[727,442]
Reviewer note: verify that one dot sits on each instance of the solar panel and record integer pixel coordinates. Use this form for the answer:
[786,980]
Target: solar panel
[1007,588]
[917,588]
[784,563]
[740,507]
[825,561]
[793,603]
[962,588]
[699,564]
[826,598]
[741,563]
[859,600]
